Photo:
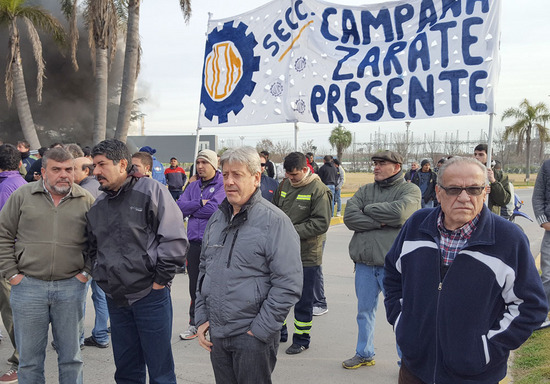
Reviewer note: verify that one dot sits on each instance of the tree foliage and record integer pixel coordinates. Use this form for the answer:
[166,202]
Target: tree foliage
[340,138]
[527,117]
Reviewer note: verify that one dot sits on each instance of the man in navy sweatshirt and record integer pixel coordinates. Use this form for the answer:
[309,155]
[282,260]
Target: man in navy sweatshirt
[462,289]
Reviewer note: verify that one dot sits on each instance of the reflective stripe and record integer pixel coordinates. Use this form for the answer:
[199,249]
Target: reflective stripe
[302,324]
[303,197]
[283,194]
[284,323]
[302,332]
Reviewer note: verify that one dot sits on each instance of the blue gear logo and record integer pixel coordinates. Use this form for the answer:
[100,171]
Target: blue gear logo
[229,64]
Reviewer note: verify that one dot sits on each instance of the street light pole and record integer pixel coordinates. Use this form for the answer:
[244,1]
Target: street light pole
[407,123]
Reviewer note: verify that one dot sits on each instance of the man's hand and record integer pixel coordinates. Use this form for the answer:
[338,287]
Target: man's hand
[491,175]
[250,333]
[158,286]
[17,278]
[546,226]
[203,341]
[81,278]
[204,202]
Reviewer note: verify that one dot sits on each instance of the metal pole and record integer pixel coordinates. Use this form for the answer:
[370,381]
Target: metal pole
[296,136]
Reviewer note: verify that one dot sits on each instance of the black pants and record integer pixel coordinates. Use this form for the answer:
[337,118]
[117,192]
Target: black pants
[193,260]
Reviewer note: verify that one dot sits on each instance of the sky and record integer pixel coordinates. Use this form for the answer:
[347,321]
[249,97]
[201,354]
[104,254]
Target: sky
[172,62]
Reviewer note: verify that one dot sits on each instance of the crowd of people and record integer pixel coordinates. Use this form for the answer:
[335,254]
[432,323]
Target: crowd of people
[459,282]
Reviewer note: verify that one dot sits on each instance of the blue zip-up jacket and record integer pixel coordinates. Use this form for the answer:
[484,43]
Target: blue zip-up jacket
[461,329]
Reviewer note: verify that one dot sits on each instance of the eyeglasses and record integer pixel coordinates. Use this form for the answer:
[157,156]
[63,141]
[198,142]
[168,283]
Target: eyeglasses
[455,191]
[263,164]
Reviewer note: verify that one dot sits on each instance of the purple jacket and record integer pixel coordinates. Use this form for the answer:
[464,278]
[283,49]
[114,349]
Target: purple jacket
[9,182]
[190,203]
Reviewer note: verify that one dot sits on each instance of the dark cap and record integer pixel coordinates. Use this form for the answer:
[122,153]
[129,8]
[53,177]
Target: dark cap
[388,156]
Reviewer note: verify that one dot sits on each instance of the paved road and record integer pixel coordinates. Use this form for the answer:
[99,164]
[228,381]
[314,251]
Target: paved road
[333,335]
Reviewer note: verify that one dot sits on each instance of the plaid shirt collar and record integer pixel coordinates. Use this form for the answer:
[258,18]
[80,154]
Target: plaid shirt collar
[452,242]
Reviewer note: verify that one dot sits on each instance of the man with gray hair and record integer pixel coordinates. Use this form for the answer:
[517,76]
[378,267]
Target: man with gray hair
[247,281]
[462,289]
[46,267]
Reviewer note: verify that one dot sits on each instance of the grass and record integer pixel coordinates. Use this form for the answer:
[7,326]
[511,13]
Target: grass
[531,363]
[355,180]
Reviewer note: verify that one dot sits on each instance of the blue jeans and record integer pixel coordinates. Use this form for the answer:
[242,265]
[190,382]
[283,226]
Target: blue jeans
[100,331]
[338,201]
[141,335]
[37,303]
[368,285]
[319,298]
[545,263]
[244,359]
[333,191]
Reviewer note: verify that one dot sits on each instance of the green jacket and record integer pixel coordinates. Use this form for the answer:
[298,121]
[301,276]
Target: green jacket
[500,192]
[309,209]
[50,240]
[376,213]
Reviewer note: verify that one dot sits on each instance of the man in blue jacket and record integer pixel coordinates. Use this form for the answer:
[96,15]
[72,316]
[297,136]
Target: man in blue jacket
[462,289]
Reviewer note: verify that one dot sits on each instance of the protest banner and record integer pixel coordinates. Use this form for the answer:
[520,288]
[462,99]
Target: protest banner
[316,62]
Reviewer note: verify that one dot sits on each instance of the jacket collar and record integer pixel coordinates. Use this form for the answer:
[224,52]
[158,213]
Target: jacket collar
[484,233]
[397,178]
[240,217]
[38,187]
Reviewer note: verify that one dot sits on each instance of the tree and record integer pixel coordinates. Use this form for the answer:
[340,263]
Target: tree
[527,117]
[265,145]
[102,20]
[340,138]
[131,65]
[11,11]
[308,147]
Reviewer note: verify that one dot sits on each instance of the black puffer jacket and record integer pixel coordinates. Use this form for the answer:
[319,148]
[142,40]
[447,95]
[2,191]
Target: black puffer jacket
[136,237]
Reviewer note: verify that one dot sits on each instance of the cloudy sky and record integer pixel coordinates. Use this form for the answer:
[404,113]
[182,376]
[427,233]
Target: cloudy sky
[172,65]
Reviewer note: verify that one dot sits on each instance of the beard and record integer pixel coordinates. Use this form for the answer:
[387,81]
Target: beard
[57,189]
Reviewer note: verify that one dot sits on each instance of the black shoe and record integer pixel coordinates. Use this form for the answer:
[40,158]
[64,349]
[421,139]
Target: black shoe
[91,342]
[283,338]
[294,349]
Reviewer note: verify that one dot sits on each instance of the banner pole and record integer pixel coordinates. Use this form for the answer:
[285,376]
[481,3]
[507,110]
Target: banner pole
[490,140]
[296,136]
[197,139]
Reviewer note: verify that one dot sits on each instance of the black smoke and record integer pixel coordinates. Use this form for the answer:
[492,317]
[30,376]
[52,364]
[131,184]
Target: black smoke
[66,113]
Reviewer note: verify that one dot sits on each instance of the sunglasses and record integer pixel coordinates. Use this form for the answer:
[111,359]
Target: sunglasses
[455,191]
[263,164]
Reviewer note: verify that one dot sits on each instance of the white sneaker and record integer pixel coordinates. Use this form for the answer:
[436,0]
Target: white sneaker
[338,214]
[318,311]
[190,334]
[546,324]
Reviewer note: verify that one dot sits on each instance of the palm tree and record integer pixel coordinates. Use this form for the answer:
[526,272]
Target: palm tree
[102,20]
[340,138]
[11,11]
[527,117]
[131,65]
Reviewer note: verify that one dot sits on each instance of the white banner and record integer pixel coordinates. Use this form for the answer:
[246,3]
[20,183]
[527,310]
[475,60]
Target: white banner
[317,62]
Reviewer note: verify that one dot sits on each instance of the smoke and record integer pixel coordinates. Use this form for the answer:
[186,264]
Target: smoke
[66,113]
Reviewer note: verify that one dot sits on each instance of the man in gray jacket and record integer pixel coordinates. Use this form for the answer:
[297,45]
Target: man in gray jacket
[541,207]
[250,275]
[376,213]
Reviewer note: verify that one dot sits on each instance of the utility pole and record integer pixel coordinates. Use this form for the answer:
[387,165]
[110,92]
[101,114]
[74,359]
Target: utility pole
[242,140]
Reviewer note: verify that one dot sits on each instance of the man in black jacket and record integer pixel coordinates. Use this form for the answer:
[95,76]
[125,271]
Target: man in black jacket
[136,240]
[329,176]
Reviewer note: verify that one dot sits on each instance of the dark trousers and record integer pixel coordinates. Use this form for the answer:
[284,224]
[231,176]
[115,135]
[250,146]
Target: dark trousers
[407,377]
[303,310]
[141,335]
[193,261]
[244,359]
[176,194]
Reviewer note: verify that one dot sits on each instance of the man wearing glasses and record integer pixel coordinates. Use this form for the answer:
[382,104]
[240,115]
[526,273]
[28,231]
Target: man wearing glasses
[376,213]
[462,289]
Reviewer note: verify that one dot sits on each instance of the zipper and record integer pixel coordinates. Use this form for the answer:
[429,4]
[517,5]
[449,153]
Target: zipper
[231,249]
